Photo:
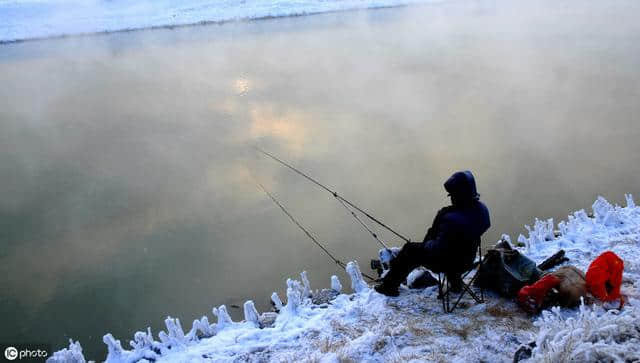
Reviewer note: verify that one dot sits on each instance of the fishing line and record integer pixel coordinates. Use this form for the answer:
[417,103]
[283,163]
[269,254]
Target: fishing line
[364,225]
[344,201]
[336,260]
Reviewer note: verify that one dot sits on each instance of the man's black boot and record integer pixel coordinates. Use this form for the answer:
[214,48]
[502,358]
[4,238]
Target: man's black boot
[386,289]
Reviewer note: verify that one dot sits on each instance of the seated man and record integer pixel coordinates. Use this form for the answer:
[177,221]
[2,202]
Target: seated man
[452,241]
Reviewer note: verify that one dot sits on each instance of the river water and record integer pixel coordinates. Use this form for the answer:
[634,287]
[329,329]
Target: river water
[127,182]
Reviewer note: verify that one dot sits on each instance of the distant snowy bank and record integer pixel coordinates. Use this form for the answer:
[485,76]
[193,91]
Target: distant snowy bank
[366,326]
[33,19]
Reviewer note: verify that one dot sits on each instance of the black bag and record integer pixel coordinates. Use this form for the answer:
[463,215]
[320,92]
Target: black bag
[506,271]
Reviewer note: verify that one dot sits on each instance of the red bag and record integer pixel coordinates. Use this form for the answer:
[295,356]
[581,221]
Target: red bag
[604,276]
[530,297]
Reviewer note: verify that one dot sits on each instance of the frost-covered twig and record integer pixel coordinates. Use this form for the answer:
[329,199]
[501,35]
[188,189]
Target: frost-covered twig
[592,335]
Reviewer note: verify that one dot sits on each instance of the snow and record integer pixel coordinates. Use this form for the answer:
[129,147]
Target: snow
[29,19]
[366,326]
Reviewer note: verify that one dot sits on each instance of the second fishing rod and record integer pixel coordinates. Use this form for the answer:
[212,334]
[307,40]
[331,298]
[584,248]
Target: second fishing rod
[346,203]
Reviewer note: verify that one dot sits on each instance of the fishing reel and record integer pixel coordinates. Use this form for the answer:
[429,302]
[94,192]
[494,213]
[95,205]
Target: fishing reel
[376,265]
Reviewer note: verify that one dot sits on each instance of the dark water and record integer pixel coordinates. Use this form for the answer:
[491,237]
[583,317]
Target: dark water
[126,189]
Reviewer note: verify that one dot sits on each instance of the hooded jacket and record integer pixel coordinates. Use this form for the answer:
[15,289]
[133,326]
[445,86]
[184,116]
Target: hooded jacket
[455,233]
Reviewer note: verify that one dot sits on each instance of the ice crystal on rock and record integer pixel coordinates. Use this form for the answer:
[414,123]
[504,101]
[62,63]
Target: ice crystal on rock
[73,354]
[630,202]
[174,337]
[542,231]
[293,297]
[277,303]
[144,341]
[357,283]
[250,313]
[306,292]
[115,352]
[201,328]
[224,319]
[335,284]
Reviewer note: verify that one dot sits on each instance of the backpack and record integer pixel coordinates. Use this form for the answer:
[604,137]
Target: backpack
[506,271]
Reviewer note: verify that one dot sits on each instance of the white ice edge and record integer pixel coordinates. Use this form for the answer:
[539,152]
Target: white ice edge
[367,326]
[34,19]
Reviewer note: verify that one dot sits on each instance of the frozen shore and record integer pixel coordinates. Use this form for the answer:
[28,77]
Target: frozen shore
[30,19]
[366,326]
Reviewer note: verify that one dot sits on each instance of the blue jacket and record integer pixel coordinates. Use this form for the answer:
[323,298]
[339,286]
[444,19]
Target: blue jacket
[454,236]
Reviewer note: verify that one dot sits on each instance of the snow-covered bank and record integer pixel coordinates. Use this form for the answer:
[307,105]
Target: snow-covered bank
[33,19]
[366,326]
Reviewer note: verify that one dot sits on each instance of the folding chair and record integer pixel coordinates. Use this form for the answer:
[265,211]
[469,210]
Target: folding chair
[444,285]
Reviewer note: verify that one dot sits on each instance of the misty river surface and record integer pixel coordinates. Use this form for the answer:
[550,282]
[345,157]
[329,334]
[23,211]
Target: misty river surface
[127,182]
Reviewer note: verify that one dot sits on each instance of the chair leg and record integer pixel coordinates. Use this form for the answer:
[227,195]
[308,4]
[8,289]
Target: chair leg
[467,288]
[447,294]
[444,287]
[478,272]
[440,291]
[444,292]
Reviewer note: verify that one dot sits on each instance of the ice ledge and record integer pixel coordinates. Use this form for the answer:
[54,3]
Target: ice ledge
[366,325]
[24,20]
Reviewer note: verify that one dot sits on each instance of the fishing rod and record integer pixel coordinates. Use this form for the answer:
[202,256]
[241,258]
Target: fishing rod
[344,201]
[364,225]
[336,260]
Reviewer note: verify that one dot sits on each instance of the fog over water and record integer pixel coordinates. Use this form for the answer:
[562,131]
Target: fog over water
[126,189]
